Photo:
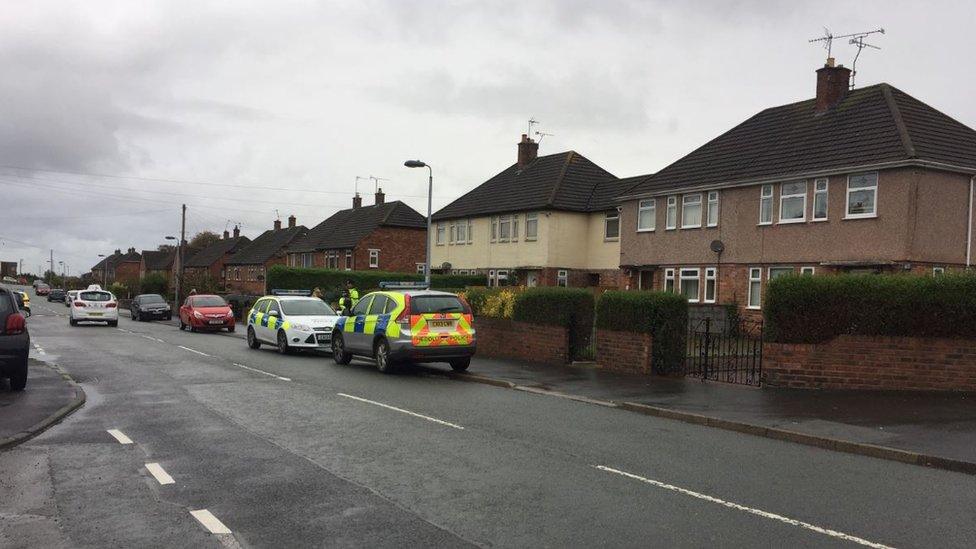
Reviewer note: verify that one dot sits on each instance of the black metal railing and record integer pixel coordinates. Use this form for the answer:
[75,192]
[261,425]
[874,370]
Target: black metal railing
[724,349]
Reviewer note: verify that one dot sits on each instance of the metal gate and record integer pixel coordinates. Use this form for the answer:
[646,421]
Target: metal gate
[724,349]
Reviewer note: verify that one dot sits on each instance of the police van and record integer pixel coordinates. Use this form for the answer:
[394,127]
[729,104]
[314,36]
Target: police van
[291,320]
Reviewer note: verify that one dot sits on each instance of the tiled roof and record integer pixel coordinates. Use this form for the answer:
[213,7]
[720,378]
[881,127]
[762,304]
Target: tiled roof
[347,227]
[605,195]
[212,253]
[871,125]
[266,246]
[563,181]
[157,260]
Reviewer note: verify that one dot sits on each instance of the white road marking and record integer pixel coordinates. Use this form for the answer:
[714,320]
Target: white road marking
[161,475]
[210,522]
[757,512]
[124,330]
[262,372]
[402,411]
[120,436]
[38,347]
[193,350]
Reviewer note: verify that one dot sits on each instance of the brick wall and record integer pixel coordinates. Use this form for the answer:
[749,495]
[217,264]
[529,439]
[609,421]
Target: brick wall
[624,351]
[400,249]
[499,338]
[126,272]
[873,362]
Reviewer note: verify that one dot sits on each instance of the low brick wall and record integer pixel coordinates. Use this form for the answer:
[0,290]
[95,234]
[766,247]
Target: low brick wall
[624,351]
[499,338]
[872,362]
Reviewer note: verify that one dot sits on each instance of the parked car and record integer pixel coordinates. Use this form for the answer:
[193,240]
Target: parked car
[41,288]
[14,341]
[291,323]
[23,301]
[401,326]
[56,294]
[9,280]
[70,296]
[150,306]
[206,312]
[94,305]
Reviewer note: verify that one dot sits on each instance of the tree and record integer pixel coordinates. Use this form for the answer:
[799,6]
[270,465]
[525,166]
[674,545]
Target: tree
[165,248]
[199,242]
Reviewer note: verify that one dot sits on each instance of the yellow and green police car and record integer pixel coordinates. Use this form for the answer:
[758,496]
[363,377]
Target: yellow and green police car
[291,322]
[394,325]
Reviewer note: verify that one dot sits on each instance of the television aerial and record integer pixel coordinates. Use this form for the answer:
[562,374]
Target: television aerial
[855,38]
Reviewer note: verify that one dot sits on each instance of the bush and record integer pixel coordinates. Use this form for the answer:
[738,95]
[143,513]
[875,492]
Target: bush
[121,291]
[331,281]
[569,307]
[815,309]
[664,315]
[154,283]
[491,302]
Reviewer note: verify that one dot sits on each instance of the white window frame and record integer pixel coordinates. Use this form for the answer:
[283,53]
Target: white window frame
[470,231]
[607,217]
[504,220]
[500,275]
[710,220]
[685,203]
[515,227]
[374,258]
[491,278]
[452,233]
[817,193]
[766,196]
[671,214]
[439,234]
[847,207]
[808,271]
[755,275]
[696,278]
[669,279]
[494,228]
[938,271]
[562,278]
[783,196]
[710,278]
[649,205]
[533,219]
[348,260]
[462,233]
[769,270]
[421,268]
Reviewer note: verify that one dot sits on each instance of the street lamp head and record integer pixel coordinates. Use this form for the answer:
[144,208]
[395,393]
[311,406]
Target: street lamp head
[170,238]
[414,164]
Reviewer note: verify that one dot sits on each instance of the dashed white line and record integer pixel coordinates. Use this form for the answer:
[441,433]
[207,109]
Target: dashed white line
[193,350]
[262,372]
[120,436]
[157,471]
[210,522]
[736,506]
[402,411]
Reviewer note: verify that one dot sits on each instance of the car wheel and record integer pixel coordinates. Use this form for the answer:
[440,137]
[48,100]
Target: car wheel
[135,316]
[113,323]
[72,322]
[381,353]
[231,329]
[182,325]
[252,340]
[339,353]
[169,317]
[460,364]
[283,347]
[18,379]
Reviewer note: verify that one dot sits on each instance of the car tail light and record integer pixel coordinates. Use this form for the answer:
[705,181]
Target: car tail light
[79,303]
[111,305]
[403,319]
[15,324]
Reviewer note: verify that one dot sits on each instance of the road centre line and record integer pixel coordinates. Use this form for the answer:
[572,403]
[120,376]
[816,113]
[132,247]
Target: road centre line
[262,372]
[160,474]
[757,512]
[120,436]
[192,350]
[402,411]
[210,522]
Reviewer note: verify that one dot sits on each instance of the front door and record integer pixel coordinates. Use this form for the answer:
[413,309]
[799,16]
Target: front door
[532,279]
[646,280]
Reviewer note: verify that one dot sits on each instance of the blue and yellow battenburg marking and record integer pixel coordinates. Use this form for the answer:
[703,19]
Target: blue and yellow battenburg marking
[267,321]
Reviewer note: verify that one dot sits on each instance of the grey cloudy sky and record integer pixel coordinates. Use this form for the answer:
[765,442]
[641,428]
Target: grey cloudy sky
[308,95]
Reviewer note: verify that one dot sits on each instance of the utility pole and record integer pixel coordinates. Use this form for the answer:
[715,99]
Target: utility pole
[52,264]
[179,256]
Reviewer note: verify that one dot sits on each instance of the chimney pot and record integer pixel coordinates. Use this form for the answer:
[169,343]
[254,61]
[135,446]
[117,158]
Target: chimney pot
[528,150]
[832,85]
[226,234]
[118,251]
[357,201]
[237,231]
[132,250]
[277,225]
[291,221]
[380,197]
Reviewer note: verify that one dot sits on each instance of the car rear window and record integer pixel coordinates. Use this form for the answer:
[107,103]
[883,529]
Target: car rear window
[208,301]
[151,298]
[95,296]
[436,304]
[6,306]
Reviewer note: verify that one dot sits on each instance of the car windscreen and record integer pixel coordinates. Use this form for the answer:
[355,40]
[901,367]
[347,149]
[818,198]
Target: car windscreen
[306,307]
[425,304]
[208,301]
[95,296]
[151,298]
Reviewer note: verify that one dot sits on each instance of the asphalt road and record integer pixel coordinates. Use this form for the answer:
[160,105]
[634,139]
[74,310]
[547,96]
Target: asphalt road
[297,451]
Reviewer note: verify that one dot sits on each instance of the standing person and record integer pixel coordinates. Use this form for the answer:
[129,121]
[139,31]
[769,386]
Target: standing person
[317,293]
[353,292]
[345,303]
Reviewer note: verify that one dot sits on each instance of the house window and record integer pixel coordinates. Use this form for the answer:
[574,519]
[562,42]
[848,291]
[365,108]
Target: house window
[645,215]
[691,211]
[755,288]
[766,205]
[374,259]
[440,234]
[792,202]
[504,228]
[668,280]
[611,225]
[531,226]
[237,274]
[348,260]
[710,282]
[862,195]
[421,269]
[494,227]
[820,200]
[671,219]
[470,231]
[562,278]
[251,273]
[307,260]
[807,271]
[776,272]
[462,232]
[491,278]
[689,281]
[452,233]
[713,209]
[501,277]
[938,271]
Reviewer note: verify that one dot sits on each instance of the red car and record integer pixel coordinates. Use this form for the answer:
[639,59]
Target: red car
[206,312]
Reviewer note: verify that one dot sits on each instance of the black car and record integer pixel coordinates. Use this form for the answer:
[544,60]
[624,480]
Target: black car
[57,294]
[14,341]
[149,307]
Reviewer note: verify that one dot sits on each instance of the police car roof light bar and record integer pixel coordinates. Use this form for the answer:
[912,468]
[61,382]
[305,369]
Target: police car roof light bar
[279,292]
[402,285]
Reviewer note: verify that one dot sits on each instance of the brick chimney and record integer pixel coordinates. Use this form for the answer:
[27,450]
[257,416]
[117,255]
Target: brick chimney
[132,250]
[528,150]
[237,231]
[118,251]
[291,221]
[380,197]
[277,225]
[226,235]
[357,201]
[832,85]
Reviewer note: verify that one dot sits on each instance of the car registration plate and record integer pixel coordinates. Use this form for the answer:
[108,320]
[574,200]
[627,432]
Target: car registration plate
[322,338]
[94,314]
[441,324]
[216,321]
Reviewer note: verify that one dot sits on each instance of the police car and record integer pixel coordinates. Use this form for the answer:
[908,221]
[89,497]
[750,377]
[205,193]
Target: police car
[404,323]
[290,320]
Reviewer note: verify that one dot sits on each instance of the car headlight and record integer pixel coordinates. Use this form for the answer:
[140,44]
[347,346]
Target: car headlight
[197,314]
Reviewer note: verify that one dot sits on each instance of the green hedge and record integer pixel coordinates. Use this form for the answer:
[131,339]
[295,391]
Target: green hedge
[664,315]
[569,307]
[330,281]
[814,309]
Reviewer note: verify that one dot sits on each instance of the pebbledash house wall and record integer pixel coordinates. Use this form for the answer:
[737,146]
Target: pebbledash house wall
[920,224]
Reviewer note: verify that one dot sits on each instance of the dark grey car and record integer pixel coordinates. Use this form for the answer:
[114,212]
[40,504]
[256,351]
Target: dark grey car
[149,307]
[14,340]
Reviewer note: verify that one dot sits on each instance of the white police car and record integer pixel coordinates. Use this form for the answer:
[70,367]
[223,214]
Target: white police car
[291,322]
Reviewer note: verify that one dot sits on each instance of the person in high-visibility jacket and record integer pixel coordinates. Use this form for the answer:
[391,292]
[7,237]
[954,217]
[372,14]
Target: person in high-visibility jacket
[353,292]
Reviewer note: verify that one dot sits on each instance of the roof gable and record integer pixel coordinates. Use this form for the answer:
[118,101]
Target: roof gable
[345,228]
[212,253]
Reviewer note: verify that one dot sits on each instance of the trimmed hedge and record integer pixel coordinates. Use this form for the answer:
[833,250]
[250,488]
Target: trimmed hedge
[568,307]
[330,281]
[814,309]
[664,315]
[491,302]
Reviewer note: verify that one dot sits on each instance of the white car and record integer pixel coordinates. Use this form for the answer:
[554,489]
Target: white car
[291,323]
[69,297]
[94,305]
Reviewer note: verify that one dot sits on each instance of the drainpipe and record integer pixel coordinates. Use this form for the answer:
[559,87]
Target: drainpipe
[969,228]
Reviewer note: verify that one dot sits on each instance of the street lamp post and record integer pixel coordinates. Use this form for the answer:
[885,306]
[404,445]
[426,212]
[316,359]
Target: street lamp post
[104,271]
[179,273]
[430,192]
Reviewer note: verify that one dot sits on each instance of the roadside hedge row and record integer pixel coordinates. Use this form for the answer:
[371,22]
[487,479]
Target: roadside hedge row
[818,308]
[329,280]
[491,302]
[568,307]
[664,315]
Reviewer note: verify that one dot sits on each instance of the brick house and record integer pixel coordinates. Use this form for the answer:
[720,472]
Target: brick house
[864,180]
[543,221]
[212,259]
[157,262]
[247,270]
[387,236]
[118,267]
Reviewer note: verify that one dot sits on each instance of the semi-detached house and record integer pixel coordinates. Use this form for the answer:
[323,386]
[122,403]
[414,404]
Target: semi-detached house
[247,270]
[864,180]
[211,261]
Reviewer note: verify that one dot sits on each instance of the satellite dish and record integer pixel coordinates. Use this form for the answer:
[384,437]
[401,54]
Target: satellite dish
[717,246]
